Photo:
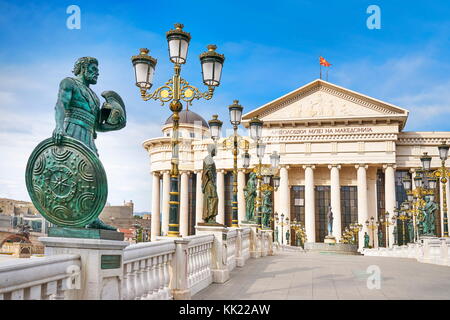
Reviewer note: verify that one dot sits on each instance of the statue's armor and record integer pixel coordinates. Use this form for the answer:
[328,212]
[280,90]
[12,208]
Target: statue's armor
[81,117]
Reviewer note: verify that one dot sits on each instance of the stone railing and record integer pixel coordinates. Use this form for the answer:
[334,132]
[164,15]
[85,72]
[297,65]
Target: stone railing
[199,249]
[146,270]
[171,268]
[231,249]
[48,278]
[427,250]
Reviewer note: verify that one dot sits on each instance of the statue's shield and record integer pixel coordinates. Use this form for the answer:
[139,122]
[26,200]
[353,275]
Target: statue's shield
[66,182]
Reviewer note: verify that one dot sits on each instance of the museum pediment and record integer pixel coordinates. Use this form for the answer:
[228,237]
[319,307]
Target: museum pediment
[321,100]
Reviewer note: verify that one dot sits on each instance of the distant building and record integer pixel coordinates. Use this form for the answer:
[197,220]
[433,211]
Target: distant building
[13,207]
[122,216]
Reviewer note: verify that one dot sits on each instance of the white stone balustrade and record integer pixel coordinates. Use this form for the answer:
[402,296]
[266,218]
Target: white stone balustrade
[242,246]
[161,270]
[46,278]
[146,270]
[231,248]
[429,250]
[199,274]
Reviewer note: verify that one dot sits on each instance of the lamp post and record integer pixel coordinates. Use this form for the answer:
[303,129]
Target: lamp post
[236,142]
[371,225]
[385,221]
[443,174]
[355,228]
[282,222]
[174,91]
[401,214]
[256,134]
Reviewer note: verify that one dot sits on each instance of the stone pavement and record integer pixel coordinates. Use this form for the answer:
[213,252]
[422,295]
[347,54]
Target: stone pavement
[298,275]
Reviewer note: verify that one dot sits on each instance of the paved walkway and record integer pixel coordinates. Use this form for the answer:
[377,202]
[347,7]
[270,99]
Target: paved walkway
[296,275]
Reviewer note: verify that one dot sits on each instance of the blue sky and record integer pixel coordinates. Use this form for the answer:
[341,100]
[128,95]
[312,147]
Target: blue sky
[271,48]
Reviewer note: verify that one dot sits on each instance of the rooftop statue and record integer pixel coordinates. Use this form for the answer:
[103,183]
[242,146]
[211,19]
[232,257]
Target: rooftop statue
[209,187]
[65,178]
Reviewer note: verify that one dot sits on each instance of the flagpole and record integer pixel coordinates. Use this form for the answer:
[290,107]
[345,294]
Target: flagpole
[327,74]
[320,70]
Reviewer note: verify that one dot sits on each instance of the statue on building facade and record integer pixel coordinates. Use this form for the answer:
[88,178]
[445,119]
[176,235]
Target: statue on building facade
[395,233]
[250,196]
[65,178]
[380,238]
[209,186]
[410,227]
[366,240]
[330,221]
[266,208]
[429,217]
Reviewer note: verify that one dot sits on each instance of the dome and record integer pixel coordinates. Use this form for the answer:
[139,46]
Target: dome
[189,117]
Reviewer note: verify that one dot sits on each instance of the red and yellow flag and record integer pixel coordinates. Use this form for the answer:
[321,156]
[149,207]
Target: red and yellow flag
[324,62]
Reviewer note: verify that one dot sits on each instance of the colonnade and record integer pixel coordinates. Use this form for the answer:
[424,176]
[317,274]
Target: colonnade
[281,199]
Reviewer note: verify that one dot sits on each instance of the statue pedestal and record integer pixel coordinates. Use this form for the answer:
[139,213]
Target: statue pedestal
[219,268]
[255,239]
[84,233]
[101,265]
[330,240]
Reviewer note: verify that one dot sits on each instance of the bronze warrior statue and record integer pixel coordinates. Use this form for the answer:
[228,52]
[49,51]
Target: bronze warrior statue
[65,179]
[209,187]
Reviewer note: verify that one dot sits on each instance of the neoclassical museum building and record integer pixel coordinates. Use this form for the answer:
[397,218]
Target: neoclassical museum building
[337,147]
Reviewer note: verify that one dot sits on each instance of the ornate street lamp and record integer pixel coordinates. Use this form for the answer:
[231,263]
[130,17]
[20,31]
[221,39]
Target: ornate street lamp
[426,161]
[215,127]
[443,174]
[236,142]
[175,91]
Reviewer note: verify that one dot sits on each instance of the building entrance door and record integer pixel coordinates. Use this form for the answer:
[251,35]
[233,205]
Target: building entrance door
[322,197]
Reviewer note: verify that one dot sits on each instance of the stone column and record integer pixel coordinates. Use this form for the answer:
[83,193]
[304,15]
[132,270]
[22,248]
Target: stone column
[221,194]
[241,196]
[335,194]
[389,196]
[184,204]
[165,203]
[198,199]
[310,222]
[283,206]
[362,201]
[155,227]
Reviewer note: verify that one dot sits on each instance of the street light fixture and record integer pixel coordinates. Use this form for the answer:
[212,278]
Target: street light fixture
[215,127]
[175,91]
[235,142]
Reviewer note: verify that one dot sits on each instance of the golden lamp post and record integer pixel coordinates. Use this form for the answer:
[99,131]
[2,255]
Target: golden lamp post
[234,143]
[386,223]
[371,224]
[174,91]
[264,173]
[282,222]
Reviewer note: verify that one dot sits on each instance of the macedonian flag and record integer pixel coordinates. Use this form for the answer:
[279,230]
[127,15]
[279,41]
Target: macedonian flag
[324,62]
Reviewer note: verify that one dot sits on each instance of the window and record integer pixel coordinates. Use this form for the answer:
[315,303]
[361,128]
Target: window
[297,204]
[322,199]
[349,206]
